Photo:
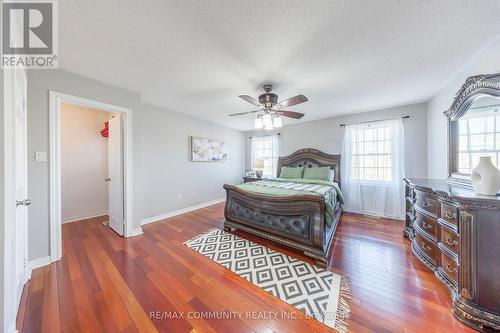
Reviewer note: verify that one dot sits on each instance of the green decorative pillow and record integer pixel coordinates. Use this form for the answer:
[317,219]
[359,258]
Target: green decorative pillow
[322,173]
[291,172]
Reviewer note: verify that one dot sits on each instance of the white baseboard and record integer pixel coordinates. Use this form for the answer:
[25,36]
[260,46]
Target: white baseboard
[180,211]
[40,262]
[135,232]
[83,217]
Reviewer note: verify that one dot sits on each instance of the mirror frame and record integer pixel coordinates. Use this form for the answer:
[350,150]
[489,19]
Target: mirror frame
[475,87]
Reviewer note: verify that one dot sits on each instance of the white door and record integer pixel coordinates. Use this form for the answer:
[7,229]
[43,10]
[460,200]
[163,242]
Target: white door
[21,182]
[115,175]
[16,179]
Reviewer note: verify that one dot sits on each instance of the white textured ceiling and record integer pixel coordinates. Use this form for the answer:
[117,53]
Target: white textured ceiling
[196,57]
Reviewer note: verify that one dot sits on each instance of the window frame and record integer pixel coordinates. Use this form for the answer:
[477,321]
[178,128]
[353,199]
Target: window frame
[270,159]
[356,177]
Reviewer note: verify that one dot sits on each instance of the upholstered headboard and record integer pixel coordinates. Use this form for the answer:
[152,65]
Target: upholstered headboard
[308,158]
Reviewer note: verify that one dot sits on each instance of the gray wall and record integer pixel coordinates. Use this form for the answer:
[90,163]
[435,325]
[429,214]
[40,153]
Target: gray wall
[159,142]
[165,155]
[487,61]
[327,135]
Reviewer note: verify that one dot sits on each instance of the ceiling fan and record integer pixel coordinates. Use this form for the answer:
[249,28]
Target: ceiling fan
[270,111]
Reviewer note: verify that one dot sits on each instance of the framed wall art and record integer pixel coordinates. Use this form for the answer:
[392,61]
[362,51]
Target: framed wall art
[208,150]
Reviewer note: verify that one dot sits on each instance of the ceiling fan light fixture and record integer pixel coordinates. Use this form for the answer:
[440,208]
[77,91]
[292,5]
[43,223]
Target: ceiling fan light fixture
[270,113]
[268,127]
[278,122]
[267,120]
[258,123]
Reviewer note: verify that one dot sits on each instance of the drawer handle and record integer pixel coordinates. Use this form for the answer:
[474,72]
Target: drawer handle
[426,226]
[449,216]
[426,205]
[426,247]
[450,269]
[449,241]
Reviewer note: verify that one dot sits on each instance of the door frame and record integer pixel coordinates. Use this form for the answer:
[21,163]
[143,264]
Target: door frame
[9,203]
[55,100]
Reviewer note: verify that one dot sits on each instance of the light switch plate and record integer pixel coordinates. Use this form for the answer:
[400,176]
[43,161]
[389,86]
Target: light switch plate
[41,156]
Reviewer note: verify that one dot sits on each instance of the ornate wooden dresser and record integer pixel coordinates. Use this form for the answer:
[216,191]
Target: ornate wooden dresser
[456,233]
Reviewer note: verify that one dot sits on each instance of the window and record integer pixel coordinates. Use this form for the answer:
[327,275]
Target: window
[373,168]
[371,154]
[479,135]
[266,148]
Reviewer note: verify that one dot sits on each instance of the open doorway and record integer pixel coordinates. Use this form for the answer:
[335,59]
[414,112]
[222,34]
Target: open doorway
[90,165]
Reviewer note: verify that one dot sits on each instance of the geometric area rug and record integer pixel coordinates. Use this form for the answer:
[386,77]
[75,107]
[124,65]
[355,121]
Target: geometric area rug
[317,292]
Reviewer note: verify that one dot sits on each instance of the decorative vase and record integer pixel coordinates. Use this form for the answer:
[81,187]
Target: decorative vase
[485,177]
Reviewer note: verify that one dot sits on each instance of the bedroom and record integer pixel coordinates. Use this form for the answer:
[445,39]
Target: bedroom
[356,82]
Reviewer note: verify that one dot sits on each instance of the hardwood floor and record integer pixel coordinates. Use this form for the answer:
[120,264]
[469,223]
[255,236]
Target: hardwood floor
[105,283]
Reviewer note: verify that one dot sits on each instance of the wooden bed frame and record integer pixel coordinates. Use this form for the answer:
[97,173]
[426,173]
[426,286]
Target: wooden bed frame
[296,221]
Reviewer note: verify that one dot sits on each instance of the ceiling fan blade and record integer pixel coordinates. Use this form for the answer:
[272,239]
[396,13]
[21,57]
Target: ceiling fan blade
[291,101]
[250,100]
[291,114]
[242,113]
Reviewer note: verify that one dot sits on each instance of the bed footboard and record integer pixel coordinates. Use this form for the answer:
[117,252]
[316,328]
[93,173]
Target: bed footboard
[296,221]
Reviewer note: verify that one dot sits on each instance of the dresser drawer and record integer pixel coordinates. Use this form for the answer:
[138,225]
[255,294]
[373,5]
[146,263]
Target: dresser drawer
[449,213]
[429,225]
[427,247]
[428,204]
[449,266]
[449,238]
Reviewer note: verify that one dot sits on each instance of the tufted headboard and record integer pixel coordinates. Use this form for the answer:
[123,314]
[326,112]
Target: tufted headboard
[309,157]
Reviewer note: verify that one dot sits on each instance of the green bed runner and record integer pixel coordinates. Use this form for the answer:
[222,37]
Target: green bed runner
[288,187]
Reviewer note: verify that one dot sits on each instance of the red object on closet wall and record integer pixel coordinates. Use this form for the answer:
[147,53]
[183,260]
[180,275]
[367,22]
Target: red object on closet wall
[105,130]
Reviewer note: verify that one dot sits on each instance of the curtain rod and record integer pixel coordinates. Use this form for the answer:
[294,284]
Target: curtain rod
[260,136]
[374,121]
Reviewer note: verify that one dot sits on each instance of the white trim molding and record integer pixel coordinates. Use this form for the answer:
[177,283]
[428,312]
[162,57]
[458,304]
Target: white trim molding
[136,232]
[82,217]
[180,211]
[37,263]
[56,99]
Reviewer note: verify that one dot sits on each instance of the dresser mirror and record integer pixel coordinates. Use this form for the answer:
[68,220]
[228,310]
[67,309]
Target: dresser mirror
[473,126]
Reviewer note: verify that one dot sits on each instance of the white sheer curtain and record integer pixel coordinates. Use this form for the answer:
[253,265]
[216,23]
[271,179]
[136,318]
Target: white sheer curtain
[373,168]
[266,148]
